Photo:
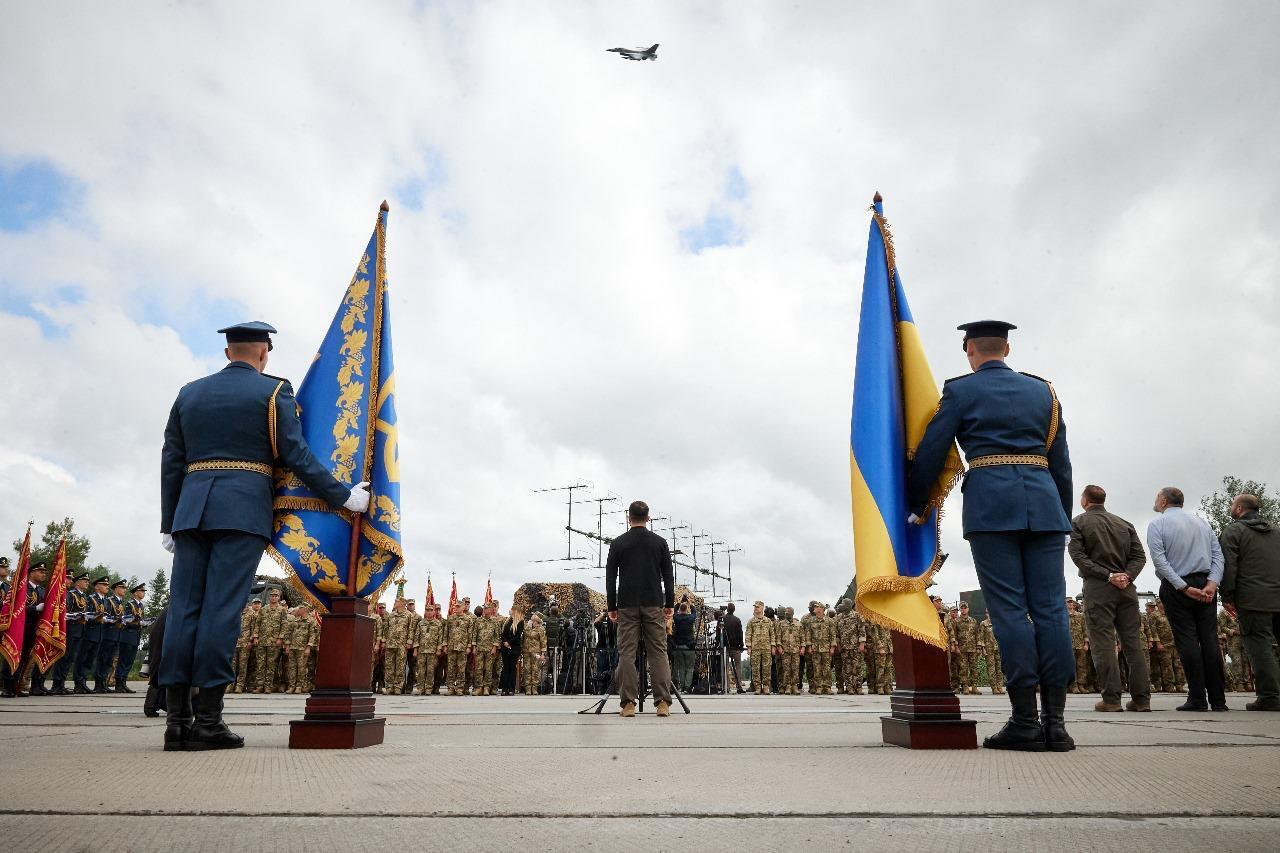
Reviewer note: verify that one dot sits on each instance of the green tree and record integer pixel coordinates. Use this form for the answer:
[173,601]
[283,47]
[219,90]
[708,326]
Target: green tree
[47,548]
[1216,508]
[159,598]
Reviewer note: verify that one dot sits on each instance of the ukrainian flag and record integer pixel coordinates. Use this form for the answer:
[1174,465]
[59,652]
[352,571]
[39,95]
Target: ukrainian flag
[894,396]
[347,404]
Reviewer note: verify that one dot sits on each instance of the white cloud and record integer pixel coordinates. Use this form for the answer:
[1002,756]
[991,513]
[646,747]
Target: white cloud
[1103,179]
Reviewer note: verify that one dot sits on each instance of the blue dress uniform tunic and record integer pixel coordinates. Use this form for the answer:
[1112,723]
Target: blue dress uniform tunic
[76,603]
[1017,510]
[87,654]
[130,639]
[225,434]
[112,623]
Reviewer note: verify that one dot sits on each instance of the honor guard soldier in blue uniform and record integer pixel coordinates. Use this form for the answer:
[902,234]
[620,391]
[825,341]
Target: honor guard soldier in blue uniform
[77,601]
[130,637]
[112,629]
[226,433]
[95,613]
[1017,514]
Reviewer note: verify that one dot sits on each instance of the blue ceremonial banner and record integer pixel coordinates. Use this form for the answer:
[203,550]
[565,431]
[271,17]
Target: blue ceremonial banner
[894,397]
[347,406]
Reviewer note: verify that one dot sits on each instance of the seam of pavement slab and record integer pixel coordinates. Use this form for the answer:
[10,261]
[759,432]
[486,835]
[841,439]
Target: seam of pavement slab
[836,815]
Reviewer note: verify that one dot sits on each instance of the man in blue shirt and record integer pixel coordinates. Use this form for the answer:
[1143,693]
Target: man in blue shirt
[1189,563]
[1017,506]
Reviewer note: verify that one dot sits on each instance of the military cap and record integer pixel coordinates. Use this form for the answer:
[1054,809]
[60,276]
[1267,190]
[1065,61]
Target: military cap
[275,590]
[103,579]
[253,332]
[4,561]
[38,567]
[83,576]
[813,603]
[985,329]
[467,599]
[844,606]
[142,587]
[118,584]
[758,604]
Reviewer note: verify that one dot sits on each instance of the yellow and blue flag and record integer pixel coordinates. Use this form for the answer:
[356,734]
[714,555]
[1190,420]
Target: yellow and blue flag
[894,397]
[348,412]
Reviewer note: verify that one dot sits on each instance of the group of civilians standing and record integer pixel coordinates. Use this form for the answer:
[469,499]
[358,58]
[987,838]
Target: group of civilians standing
[1194,567]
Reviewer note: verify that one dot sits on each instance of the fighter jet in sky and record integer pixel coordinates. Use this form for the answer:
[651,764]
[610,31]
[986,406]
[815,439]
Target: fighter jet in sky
[639,54]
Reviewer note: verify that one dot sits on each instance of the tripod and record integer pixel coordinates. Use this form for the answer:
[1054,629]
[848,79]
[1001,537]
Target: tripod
[642,670]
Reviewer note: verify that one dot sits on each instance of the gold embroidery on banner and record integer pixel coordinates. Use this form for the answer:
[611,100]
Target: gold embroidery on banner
[229,465]
[388,514]
[351,391]
[324,572]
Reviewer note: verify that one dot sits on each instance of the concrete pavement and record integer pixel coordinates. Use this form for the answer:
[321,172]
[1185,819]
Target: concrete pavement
[740,773]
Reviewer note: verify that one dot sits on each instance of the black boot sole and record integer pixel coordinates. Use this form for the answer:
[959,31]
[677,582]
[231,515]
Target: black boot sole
[1016,747]
[205,746]
[175,746]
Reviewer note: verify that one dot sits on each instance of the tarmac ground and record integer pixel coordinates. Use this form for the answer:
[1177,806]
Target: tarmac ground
[738,773]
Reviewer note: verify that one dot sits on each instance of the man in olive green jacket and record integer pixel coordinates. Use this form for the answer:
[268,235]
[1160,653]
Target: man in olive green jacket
[1251,589]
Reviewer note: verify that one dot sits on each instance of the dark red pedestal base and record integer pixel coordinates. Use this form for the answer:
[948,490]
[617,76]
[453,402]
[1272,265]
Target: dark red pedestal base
[925,710]
[339,713]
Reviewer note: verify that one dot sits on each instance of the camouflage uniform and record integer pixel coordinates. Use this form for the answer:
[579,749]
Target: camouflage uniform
[1081,683]
[487,633]
[299,638]
[851,635]
[396,629]
[270,647]
[789,638]
[244,646]
[430,640]
[495,666]
[990,649]
[531,652]
[314,645]
[459,639]
[379,635]
[759,638]
[1159,633]
[819,639]
[1240,673]
[883,645]
[963,635]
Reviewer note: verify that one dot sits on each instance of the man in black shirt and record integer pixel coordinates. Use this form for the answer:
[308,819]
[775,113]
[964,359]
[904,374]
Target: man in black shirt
[640,589]
[733,645]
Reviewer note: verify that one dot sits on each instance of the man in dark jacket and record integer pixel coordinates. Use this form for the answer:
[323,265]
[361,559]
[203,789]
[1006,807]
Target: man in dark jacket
[640,588]
[1251,591]
[733,645]
[1109,555]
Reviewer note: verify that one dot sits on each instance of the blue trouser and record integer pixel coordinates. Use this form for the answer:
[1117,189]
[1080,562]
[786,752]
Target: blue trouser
[64,664]
[1021,574]
[106,654]
[130,639]
[212,577]
[86,658]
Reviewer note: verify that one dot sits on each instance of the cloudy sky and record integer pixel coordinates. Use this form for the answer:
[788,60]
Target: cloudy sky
[640,275]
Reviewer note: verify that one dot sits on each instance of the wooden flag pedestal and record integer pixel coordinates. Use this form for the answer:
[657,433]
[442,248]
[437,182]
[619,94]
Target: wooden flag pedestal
[925,710]
[339,711]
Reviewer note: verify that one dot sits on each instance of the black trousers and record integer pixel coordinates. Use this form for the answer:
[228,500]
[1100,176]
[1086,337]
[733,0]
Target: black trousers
[1195,634]
[507,682]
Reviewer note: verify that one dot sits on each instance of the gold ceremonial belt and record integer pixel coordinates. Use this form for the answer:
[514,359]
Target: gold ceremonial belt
[1009,459]
[229,465]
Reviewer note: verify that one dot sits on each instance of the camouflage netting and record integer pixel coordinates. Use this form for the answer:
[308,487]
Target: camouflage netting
[573,598]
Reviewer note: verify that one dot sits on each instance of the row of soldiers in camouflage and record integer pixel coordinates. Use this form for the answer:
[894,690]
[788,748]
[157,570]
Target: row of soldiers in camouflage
[276,650]
[841,646]
[1166,667]
[462,650]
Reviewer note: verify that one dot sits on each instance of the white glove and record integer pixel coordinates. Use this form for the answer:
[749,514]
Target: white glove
[166,542]
[359,500]
[913,519]
[40,607]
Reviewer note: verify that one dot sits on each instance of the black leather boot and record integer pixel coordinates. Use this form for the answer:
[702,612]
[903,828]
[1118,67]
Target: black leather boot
[81,688]
[99,687]
[178,730]
[151,704]
[209,732]
[1023,732]
[1054,704]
